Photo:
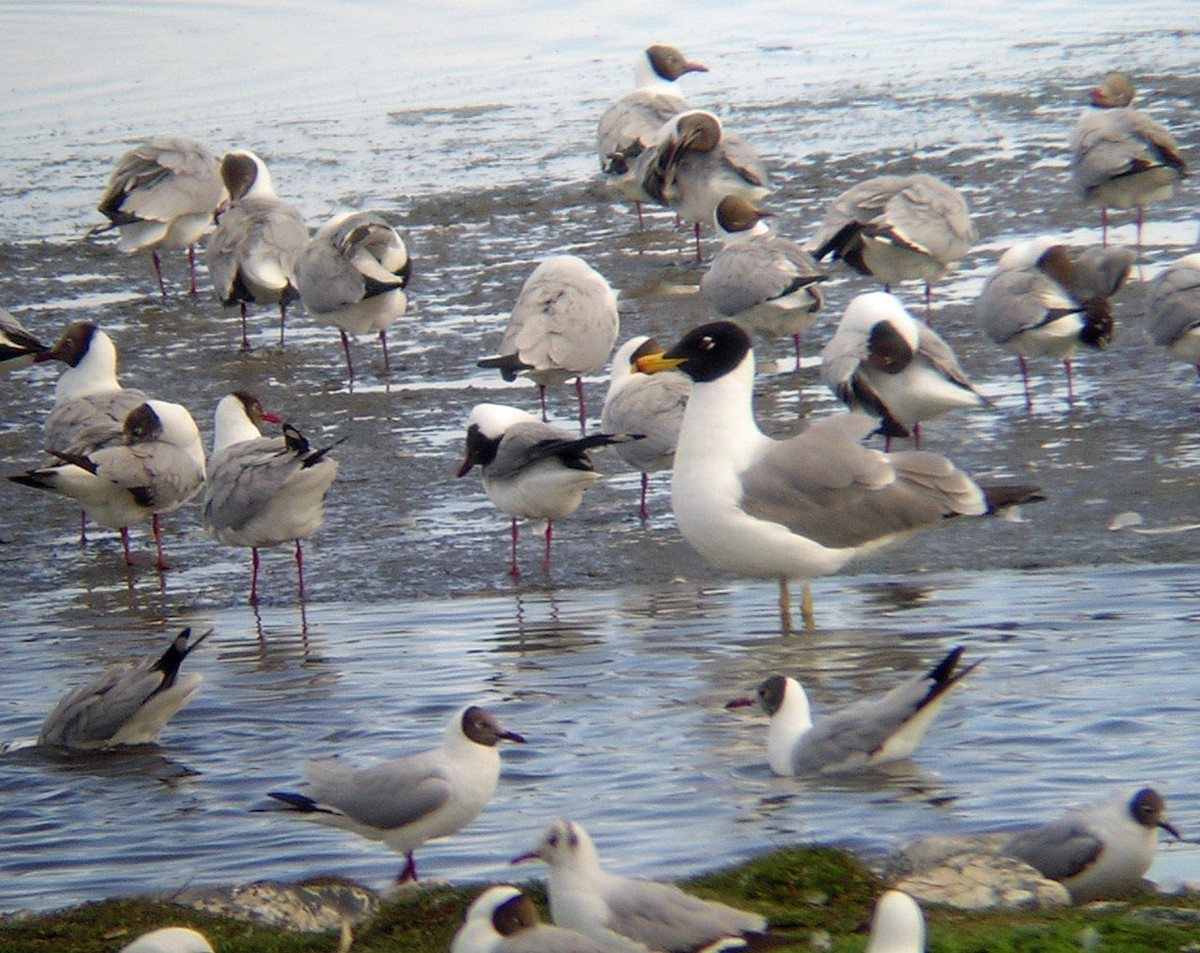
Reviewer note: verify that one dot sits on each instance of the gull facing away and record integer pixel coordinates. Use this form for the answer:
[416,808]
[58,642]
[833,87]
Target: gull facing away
[1121,158]
[866,734]
[563,325]
[897,926]
[1173,309]
[883,362]
[1043,299]
[129,705]
[759,279]
[1098,852]
[253,250]
[801,507]
[530,469]
[631,124]
[263,491]
[157,469]
[694,163]
[504,920]
[650,405]
[608,907]
[18,346]
[408,801]
[163,194]
[897,227]
[169,940]
[352,274]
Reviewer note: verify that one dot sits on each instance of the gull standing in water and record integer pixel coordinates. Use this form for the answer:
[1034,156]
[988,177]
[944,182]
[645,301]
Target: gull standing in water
[1042,300]
[883,362]
[504,920]
[1121,158]
[125,706]
[563,325]
[352,274]
[18,346]
[631,124]
[897,926]
[408,801]
[868,733]
[253,250]
[801,507]
[608,907]
[650,405]
[759,279]
[263,491]
[1173,309]
[163,195]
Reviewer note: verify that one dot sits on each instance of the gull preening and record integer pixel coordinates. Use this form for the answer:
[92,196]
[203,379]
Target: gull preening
[646,914]
[897,925]
[864,735]
[1098,852]
[801,507]
[1173,309]
[162,194]
[263,491]
[408,801]
[128,705]
[253,250]
[352,274]
[18,345]
[504,920]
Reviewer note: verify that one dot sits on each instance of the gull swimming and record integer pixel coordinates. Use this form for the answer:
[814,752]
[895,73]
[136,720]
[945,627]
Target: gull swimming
[504,920]
[866,734]
[1173,309]
[801,507]
[18,346]
[129,705]
[408,801]
[897,926]
[162,194]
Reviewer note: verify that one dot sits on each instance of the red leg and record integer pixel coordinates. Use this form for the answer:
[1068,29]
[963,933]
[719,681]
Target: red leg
[253,575]
[282,321]
[796,345]
[641,223]
[125,545]
[162,288]
[193,289]
[161,563]
[349,363]
[582,406]
[300,568]
[699,257]
[549,538]
[387,365]
[408,871]
[916,432]
[513,569]
[643,512]
[542,398]
[1070,383]
[1025,381]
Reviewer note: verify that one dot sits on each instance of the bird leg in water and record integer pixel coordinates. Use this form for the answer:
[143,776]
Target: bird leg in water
[645,513]
[1025,381]
[162,288]
[161,561]
[254,575]
[513,569]
[300,568]
[349,363]
[549,537]
[408,871]
[1070,383]
[193,288]
[387,366]
[582,406]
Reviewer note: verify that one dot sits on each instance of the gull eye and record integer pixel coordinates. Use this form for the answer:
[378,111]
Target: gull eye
[707,343]
[552,840]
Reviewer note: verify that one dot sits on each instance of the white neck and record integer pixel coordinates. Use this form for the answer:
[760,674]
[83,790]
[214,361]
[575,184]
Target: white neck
[756,230]
[644,76]
[719,412]
[95,374]
[231,425]
[788,725]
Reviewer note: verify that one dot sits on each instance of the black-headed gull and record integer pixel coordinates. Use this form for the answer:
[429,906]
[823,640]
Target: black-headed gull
[530,469]
[760,279]
[253,250]
[868,733]
[408,801]
[1121,158]
[1043,299]
[18,346]
[263,491]
[801,507]
[896,228]
[352,274]
[1173,309]
[607,907]
[885,363]
[169,940]
[125,706]
[649,405]
[563,325]
[162,194]
[157,469]
[897,926]
[504,920]
[1100,851]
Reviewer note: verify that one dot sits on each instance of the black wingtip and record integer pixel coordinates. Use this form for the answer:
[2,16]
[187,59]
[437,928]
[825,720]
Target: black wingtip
[509,365]
[999,496]
[298,802]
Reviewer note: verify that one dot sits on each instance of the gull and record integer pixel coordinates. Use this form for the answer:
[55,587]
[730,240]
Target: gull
[157,469]
[694,163]
[898,925]
[801,507]
[631,124]
[18,346]
[607,907]
[408,801]
[760,279]
[125,706]
[162,194]
[253,250]
[883,362]
[504,920]
[1043,299]
[263,491]
[650,405]
[1121,158]
[530,469]
[169,940]
[1173,309]
[563,325]
[866,734]
[1098,852]
[352,274]
[897,227]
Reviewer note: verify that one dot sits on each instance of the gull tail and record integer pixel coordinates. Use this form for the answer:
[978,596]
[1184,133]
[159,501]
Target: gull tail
[510,365]
[999,496]
[301,803]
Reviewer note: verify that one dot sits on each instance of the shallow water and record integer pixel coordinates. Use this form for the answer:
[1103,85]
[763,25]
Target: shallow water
[474,134]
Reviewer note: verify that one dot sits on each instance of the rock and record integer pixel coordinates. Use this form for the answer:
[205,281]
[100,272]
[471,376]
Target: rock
[313,907]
